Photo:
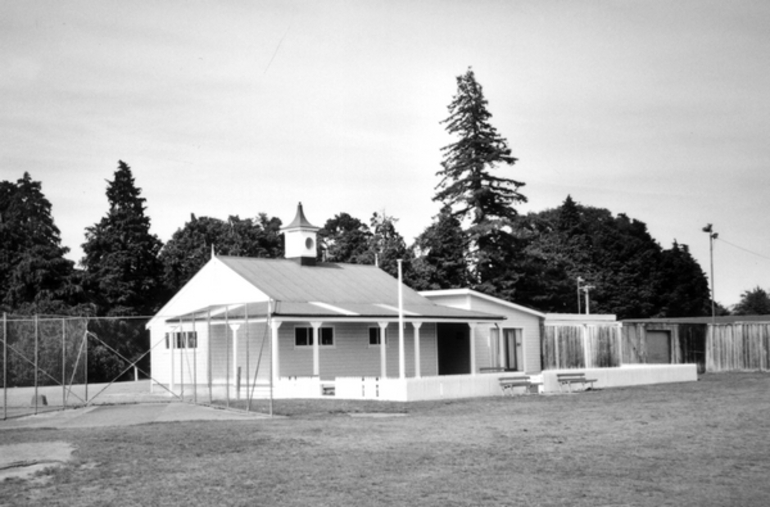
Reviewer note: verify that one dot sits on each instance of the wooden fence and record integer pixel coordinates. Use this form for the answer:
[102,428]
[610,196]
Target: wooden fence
[686,343]
[738,346]
[567,346]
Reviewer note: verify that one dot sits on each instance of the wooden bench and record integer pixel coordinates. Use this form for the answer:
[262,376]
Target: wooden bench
[327,389]
[567,379]
[507,384]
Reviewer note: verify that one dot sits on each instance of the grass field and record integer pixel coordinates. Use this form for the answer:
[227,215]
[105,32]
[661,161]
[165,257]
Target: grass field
[704,443]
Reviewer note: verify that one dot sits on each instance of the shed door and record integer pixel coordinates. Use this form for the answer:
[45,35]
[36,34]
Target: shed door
[659,347]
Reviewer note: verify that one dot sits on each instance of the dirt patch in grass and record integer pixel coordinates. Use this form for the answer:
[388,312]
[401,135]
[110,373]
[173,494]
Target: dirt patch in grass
[26,459]
[701,443]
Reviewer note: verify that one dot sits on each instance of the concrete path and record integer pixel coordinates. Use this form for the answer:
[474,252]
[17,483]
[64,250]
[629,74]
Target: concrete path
[126,415]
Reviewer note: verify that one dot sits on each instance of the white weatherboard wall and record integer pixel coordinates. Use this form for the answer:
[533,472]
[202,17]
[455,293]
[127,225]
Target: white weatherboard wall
[517,317]
[214,284]
[352,356]
[528,323]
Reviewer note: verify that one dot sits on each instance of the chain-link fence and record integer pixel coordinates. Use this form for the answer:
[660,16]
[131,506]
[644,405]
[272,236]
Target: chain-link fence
[212,358]
[51,363]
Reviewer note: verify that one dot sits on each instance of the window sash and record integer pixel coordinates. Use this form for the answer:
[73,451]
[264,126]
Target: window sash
[182,340]
[303,336]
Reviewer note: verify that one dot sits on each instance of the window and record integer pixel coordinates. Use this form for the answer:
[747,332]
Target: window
[182,340]
[303,336]
[375,334]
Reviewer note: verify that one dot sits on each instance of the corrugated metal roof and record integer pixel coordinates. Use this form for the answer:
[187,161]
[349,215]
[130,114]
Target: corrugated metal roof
[287,280]
[339,291]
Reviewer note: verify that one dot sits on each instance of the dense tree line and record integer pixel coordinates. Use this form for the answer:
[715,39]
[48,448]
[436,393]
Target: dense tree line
[478,239]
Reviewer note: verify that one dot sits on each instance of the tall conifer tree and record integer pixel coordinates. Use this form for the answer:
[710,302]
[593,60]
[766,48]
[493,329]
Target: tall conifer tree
[472,189]
[122,270]
[34,275]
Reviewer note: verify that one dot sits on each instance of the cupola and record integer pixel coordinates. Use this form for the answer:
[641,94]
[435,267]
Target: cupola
[300,239]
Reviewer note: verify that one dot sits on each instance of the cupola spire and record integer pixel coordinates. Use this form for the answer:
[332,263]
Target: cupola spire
[300,239]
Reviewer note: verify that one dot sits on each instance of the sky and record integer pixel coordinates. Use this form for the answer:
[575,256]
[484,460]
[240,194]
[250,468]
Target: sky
[655,109]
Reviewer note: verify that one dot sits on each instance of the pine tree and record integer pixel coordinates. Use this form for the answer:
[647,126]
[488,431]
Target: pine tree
[439,253]
[469,186]
[122,269]
[34,275]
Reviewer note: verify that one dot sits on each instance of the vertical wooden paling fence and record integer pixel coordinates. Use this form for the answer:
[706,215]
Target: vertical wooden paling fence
[566,346]
[738,346]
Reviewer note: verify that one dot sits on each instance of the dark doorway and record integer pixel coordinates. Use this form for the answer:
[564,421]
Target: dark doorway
[453,349]
[659,347]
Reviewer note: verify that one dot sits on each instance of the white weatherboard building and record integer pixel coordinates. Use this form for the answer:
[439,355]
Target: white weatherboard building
[300,328]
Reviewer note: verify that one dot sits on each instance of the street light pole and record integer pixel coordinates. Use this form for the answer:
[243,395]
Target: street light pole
[579,281]
[587,288]
[712,236]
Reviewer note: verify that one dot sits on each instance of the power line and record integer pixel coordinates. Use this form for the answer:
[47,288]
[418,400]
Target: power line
[744,249]
[277,48]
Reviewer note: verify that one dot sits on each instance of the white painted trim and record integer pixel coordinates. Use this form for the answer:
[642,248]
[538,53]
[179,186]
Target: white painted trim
[552,319]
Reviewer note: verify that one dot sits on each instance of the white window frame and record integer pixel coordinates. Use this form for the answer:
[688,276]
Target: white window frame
[309,344]
[380,331]
[181,340]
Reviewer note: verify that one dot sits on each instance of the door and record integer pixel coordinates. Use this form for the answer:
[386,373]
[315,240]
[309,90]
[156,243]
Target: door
[512,349]
[659,347]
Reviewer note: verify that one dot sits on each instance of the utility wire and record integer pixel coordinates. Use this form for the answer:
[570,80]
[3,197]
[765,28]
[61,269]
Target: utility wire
[744,249]
[277,48]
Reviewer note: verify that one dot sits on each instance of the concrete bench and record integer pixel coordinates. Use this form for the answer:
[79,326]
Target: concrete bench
[567,379]
[507,384]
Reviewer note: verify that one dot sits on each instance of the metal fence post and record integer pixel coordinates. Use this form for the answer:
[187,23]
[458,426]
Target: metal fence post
[269,322]
[36,358]
[195,360]
[85,363]
[227,357]
[63,365]
[182,339]
[208,353]
[5,366]
[249,387]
